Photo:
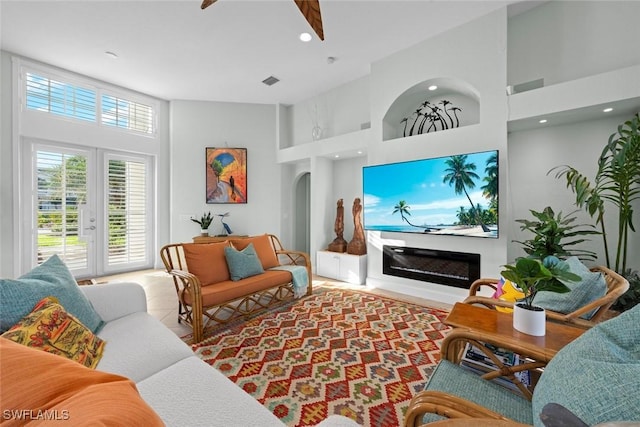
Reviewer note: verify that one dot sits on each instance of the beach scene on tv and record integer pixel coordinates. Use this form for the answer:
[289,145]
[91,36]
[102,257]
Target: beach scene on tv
[454,195]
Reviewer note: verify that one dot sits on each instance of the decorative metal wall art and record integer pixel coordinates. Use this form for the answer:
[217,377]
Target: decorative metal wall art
[430,117]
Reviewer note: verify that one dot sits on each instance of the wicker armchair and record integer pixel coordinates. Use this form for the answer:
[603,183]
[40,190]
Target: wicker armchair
[616,286]
[594,377]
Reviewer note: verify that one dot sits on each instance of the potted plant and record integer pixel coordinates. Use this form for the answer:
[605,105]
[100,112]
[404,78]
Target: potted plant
[532,276]
[554,234]
[205,222]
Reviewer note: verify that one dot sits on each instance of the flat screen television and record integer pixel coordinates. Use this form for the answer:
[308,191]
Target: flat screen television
[453,195]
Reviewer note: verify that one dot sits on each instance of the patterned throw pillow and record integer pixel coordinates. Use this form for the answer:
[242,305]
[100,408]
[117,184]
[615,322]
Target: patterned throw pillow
[50,328]
[244,263]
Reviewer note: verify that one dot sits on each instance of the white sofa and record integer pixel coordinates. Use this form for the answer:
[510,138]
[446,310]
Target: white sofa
[180,387]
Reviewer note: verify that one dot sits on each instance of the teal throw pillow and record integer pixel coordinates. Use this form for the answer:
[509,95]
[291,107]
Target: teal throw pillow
[51,278]
[591,287]
[596,376]
[244,263]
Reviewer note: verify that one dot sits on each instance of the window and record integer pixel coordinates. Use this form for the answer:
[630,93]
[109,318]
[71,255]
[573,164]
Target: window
[45,94]
[79,102]
[126,114]
[61,191]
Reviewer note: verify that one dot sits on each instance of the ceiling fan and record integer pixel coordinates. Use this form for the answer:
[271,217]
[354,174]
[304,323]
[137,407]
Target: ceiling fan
[310,10]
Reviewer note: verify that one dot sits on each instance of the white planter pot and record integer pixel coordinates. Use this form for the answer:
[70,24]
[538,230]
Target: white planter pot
[204,232]
[529,321]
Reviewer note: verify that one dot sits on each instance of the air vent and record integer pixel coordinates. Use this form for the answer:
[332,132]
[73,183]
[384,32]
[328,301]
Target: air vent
[270,81]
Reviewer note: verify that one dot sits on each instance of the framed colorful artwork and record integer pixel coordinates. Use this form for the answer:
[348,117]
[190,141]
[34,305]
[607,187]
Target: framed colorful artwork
[226,175]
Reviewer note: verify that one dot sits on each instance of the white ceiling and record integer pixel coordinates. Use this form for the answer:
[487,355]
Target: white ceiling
[174,50]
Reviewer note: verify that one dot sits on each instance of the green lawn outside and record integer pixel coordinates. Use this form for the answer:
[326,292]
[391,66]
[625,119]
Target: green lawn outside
[45,240]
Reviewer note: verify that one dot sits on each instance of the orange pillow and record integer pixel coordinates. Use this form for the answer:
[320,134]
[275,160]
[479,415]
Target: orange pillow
[50,328]
[207,261]
[262,245]
[39,387]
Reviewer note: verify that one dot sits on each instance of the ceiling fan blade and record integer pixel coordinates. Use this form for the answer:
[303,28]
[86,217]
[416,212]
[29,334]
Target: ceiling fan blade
[206,3]
[311,11]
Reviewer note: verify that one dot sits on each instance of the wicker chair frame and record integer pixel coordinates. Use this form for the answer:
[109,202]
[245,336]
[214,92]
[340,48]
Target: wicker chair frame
[189,287]
[616,286]
[457,408]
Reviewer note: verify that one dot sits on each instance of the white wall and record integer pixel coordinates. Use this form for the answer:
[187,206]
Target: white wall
[6,169]
[196,125]
[566,40]
[560,41]
[339,111]
[474,53]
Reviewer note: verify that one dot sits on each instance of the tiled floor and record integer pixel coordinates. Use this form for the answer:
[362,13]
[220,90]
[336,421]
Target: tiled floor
[162,301]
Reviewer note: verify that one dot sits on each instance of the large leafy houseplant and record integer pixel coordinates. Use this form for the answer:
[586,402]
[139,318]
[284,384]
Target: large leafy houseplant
[554,234]
[532,276]
[617,182]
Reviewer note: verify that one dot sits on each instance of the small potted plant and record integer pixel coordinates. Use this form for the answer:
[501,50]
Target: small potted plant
[532,276]
[205,222]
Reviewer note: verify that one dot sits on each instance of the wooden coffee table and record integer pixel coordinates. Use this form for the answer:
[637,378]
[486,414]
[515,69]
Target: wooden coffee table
[479,325]
[493,322]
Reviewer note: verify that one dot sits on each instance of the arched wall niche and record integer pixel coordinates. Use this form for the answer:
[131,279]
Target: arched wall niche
[408,115]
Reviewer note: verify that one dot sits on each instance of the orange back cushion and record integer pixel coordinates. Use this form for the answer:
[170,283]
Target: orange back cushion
[262,245]
[34,380]
[207,261]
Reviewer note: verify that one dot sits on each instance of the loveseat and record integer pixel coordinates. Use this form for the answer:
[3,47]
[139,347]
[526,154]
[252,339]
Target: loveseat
[173,383]
[234,278]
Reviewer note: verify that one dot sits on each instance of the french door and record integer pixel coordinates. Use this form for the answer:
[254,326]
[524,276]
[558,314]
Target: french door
[91,207]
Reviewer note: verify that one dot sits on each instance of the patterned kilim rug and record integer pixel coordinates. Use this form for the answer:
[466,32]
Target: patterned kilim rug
[334,352]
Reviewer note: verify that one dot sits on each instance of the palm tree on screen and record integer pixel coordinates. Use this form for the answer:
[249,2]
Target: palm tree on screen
[403,208]
[461,175]
[490,189]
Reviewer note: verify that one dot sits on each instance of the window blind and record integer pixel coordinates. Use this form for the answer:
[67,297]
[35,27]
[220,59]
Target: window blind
[62,99]
[127,214]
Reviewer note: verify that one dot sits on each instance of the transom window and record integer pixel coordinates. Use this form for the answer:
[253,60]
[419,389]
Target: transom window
[77,102]
[63,99]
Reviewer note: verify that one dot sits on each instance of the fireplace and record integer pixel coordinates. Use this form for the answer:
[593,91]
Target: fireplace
[457,269]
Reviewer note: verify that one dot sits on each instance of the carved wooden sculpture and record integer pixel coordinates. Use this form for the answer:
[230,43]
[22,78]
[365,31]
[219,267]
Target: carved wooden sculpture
[357,245]
[339,244]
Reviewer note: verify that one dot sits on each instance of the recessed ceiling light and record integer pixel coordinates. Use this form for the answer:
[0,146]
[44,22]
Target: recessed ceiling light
[305,37]
[607,110]
[359,151]
[543,121]
[111,55]
[337,156]
[433,87]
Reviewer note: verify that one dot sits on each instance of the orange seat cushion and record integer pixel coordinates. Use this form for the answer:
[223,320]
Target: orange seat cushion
[39,387]
[207,261]
[228,291]
[262,245]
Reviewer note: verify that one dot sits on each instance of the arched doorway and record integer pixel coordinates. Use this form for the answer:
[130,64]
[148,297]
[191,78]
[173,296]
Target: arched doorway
[302,213]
